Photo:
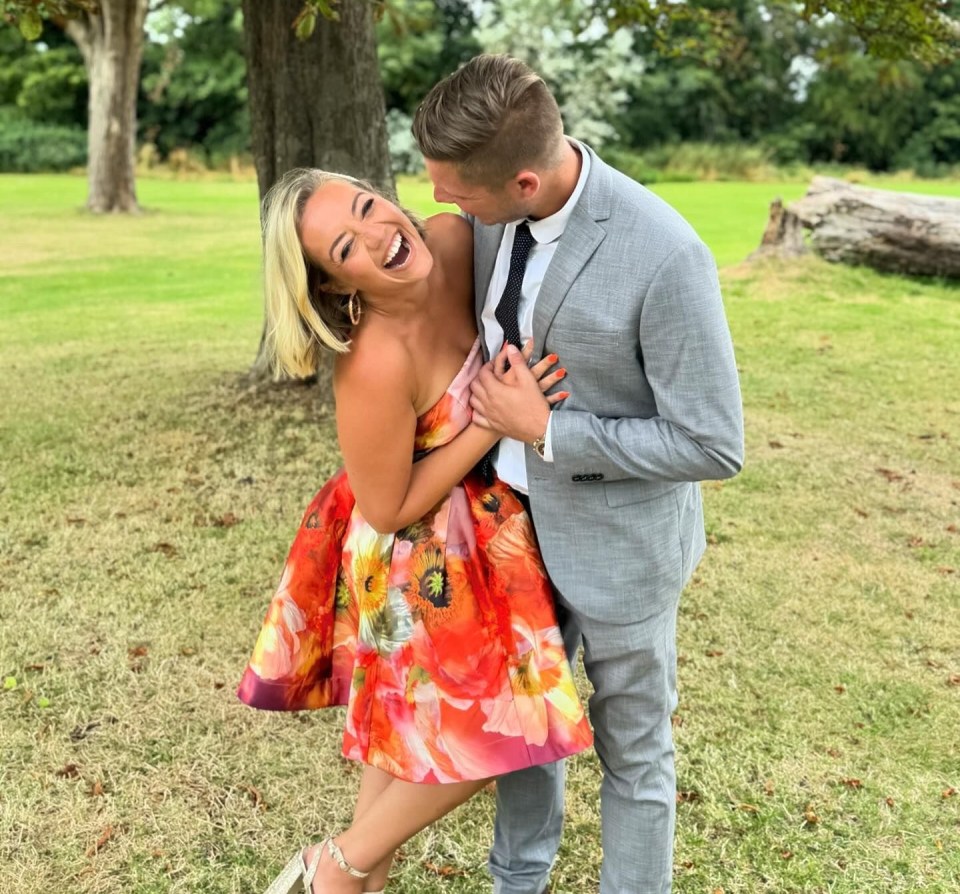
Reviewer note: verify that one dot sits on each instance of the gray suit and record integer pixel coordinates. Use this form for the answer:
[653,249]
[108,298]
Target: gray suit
[632,306]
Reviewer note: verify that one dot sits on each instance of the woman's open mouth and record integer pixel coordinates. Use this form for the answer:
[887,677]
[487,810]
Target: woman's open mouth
[398,253]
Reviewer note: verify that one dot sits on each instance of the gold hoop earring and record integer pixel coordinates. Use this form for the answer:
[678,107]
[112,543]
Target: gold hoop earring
[354,308]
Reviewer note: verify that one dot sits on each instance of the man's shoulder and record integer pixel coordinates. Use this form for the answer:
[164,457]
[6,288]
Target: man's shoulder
[636,209]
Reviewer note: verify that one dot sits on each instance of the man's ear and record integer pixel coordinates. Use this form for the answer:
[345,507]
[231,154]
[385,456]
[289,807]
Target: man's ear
[526,184]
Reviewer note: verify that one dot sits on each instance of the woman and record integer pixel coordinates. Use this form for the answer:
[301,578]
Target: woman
[413,592]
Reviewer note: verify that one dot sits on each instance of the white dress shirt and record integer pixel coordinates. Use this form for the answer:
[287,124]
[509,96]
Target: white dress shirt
[510,463]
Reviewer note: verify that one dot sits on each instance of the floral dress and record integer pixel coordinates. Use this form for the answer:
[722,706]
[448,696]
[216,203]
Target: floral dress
[441,639]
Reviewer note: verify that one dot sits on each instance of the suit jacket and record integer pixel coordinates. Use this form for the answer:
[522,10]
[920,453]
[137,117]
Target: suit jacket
[631,304]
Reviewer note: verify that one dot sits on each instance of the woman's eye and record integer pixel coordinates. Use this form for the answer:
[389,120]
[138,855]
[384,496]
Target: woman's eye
[345,251]
[367,205]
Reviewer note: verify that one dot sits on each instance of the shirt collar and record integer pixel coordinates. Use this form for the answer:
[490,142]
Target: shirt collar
[550,229]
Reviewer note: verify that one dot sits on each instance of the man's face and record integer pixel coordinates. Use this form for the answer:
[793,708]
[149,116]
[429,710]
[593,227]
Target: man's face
[489,206]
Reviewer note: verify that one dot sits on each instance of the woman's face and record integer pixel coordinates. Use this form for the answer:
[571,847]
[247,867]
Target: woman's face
[362,241]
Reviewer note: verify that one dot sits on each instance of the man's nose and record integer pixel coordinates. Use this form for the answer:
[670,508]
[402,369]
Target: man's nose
[440,196]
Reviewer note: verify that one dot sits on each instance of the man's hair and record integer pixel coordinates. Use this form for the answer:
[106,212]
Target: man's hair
[492,117]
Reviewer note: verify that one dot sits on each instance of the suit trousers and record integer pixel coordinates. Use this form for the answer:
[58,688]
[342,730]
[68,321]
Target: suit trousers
[632,668]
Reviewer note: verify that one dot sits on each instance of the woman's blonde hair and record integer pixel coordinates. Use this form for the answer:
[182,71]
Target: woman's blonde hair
[302,318]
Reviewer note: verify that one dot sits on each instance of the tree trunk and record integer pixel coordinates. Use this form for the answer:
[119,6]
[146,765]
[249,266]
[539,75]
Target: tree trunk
[112,47]
[316,102]
[889,231]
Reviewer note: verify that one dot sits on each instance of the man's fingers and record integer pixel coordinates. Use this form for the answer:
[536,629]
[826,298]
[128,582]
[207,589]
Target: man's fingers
[499,363]
[527,350]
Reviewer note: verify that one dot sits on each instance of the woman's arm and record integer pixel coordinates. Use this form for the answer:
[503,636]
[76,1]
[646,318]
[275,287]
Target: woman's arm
[376,425]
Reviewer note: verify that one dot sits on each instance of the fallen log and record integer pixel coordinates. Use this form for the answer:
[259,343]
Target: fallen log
[892,231]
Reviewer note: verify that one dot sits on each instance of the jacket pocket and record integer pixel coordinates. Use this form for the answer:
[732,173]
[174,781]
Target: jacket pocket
[632,490]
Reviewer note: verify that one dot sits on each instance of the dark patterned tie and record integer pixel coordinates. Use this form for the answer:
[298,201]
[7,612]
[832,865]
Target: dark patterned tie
[507,310]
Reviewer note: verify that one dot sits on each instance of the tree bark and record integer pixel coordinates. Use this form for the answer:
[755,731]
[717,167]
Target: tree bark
[894,232]
[316,102]
[111,43]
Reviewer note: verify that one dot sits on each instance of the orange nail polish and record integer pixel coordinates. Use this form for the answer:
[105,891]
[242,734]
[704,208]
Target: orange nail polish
[560,373]
[563,395]
[553,358]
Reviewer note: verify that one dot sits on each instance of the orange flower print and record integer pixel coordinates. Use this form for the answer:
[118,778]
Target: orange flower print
[441,639]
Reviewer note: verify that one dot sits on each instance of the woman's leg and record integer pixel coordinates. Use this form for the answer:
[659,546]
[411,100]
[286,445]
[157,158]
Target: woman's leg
[396,814]
[372,784]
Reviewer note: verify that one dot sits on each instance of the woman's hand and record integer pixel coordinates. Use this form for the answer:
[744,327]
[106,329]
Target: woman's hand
[509,397]
[542,372]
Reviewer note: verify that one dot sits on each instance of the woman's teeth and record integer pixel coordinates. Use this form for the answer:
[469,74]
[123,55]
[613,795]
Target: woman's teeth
[394,248]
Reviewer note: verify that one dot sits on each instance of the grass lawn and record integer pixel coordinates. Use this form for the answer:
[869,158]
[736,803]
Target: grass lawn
[147,499]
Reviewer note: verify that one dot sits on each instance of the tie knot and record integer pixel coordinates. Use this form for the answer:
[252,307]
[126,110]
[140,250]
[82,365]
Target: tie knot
[522,239]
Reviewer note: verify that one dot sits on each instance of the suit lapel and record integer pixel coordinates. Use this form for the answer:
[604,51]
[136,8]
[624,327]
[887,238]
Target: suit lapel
[579,241]
[486,244]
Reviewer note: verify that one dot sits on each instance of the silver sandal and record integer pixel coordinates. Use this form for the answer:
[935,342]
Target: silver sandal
[297,876]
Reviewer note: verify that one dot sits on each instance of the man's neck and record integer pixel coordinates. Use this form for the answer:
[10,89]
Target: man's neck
[557,185]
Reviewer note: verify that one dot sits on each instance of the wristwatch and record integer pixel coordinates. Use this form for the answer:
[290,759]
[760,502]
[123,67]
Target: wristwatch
[540,444]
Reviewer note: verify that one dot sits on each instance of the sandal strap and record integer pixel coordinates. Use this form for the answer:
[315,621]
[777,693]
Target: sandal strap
[309,871]
[337,855]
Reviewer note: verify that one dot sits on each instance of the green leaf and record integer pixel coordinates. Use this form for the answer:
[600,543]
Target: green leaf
[306,26]
[31,25]
[43,702]
[9,683]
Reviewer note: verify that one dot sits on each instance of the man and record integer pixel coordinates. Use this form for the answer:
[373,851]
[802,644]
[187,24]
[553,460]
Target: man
[598,270]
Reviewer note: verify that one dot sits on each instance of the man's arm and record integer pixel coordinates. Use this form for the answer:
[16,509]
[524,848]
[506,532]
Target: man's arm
[688,361]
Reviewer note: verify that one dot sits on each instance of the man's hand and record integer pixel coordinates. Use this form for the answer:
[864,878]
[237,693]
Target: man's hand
[508,396]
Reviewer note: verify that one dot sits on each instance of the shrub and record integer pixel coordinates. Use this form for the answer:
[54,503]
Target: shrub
[685,162]
[27,147]
[405,157]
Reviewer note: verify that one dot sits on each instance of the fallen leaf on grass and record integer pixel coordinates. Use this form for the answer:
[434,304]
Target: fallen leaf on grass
[444,871]
[227,520]
[36,667]
[105,836]
[76,520]
[168,549]
[889,802]
[786,855]
[747,808]
[852,783]
[834,752]
[861,512]
[953,529]
[255,796]
[889,474]
[916,542]
[138,651]
[809,816]
[713,653]
[187,651]
[948,793]
[69,771]
[768,788]
[776,445]
[688,797]
[840,689]
[953,680]
[96,790]
[946,569]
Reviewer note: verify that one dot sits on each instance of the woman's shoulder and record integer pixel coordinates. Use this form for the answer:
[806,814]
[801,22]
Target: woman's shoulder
[450,234]
[375,360]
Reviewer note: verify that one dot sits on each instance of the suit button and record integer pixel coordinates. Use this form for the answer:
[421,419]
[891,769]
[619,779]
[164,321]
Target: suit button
[599,476]
[577,478]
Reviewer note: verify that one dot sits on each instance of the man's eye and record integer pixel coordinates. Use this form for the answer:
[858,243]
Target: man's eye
[367,205]
[345,251]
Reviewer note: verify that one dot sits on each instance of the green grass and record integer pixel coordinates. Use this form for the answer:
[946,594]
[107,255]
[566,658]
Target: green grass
[147,498]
